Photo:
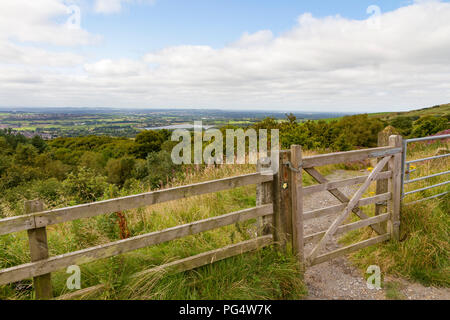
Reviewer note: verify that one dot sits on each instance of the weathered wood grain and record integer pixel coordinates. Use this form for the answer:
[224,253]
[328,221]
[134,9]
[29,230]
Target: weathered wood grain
[341,197]
[350,206]
[350,248]
[38,268]
[16,224]
[394,204]
[37,239]
[279,233]
[57,216]
[296,196]
[348,156]
[339,207]
[348,227]
[264,195]
[343,183]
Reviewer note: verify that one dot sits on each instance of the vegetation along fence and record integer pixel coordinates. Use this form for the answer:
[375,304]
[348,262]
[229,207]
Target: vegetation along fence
[279,207]
[407,169]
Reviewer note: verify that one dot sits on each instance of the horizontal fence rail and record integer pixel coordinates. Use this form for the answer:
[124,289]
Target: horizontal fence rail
[349,156]
[349,227]
[429,158]
[56,216]
[381,198]
[343,183]
[427,177]
[55,263]
[426,188]
[406,169]
[41,266]
[351,248]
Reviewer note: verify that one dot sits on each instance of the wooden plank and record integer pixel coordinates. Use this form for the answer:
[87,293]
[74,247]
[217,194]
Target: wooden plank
[337,208]
[38,268]
[56,216]
[211,256]
[395,185]
[37,239]
[348,156]
[296,196]
[263,196]
[279,233]
[354,247]
[349,227]
[341,197]
[350,206]
[382,185]
[16,224]
[285,202]
[83,293]
[343,183]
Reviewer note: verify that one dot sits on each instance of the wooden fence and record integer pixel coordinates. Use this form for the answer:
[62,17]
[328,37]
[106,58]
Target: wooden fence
[279,206]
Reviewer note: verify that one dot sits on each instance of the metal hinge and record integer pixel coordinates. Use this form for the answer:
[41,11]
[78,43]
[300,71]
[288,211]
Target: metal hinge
[292,168]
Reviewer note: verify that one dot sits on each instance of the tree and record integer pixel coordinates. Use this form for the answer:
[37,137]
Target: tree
[26,154]
[119,170]
[148,141]
[429,125]
[291,118]
[85,185]
[39,143]
[160,168]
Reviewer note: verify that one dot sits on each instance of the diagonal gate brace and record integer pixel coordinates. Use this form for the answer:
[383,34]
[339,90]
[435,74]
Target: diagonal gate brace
[351,205]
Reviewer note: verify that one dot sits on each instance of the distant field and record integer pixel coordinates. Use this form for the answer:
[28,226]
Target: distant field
[70,123]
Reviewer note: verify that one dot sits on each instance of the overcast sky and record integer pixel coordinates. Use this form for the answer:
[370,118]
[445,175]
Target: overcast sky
[348,56]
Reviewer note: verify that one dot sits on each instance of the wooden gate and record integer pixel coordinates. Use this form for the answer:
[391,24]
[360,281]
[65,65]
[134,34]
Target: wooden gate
[279,206]
[386,225]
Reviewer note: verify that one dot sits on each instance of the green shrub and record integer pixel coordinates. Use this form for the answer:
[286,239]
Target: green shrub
[85,185]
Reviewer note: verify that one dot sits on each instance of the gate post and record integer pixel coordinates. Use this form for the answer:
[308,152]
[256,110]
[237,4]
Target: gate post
[282,198]
[264,195]
[39,250]
[296,195]
[395,188]
[382,185]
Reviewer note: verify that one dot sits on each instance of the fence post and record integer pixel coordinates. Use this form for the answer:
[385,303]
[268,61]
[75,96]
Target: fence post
[284,206]
[38,251]
[395,188]
[296,195]
[382,185]
[279,234]
[263,196]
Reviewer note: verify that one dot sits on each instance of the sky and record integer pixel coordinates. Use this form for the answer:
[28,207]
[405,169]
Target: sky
[287,55]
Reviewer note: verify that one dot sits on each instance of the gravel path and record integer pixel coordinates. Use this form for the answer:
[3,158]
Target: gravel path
[338,279]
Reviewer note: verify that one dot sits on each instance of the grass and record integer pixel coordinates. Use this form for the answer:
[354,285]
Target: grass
[264,274]
[422,255]
[393,291]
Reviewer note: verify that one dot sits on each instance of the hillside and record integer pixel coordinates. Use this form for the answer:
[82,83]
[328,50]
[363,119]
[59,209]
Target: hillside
[439,110]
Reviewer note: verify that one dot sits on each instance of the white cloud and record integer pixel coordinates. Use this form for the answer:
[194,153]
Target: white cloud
[115,6]
[33,21]
[124,68]
[330,63]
